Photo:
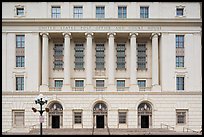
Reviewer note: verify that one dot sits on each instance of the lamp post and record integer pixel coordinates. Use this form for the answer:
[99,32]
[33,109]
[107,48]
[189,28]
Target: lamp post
[40,100]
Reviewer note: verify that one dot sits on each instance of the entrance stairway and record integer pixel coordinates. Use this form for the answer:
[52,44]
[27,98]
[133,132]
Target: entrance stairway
[111,131]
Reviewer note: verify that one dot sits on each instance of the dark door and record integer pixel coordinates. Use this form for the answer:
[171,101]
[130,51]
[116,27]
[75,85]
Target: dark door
[144,121]
[55,121]
[100,121]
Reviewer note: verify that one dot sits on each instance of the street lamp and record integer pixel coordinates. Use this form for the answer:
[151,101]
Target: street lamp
[40,100]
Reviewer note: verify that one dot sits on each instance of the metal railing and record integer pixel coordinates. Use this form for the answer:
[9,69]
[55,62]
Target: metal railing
[100,88]
[144,88]
[78,88]
[167,126]
[122,88]
[55,88]
[188,129]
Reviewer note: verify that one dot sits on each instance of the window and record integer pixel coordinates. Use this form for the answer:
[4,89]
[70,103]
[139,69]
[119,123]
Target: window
[100,56]
[122,12]
[99,83]
[77,117]
[179,41]
[20,11]
[79,83]
[100,12]
[141,56]
[55,12]
[19,61]
[179,61]
[58,56]
[58,83]
[180,83]
[121,56]
[144,12]
[120,83]
[179,11]
[19,83]
[181,116]
[79,56]
[141,83]
[122,117]
[78,11]
[20,41]
[18,118]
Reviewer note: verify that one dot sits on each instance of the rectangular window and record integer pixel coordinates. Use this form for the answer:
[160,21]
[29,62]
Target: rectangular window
[58,56]
[141,56]
[100,12]
[99,83]
[121,83]
[20,61]
[122,12]
[100,61]
[77,117]
[79,56]
[79,83]
[122,117]
[121,56]
[181,116]
[179,12]
[141,83]
[180,83]
[179,41]
[19,83]
[20,11]
[20,41]
[18,118]
[144,12]
[78,12]
[179,61]
[56,12]
[58,83]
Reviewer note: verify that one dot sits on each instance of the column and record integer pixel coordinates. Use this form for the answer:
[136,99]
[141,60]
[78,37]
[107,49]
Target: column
[111,63]
[67,62]
[45,64]
[133,64]
[155,63]
[89,66]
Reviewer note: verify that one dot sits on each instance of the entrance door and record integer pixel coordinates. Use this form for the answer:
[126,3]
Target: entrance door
[55,121]
[144,121]
[100,121]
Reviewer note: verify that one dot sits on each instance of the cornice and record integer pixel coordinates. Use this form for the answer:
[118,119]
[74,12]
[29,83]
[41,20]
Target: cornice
[100,93]
[39,21]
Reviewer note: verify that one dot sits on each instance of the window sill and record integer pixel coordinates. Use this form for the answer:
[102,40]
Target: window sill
[180,16]
[19,68]
[180,67]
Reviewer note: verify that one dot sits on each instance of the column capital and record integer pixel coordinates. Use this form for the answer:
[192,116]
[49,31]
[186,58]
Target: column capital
[88,34]
[66,34]
[45,34]
[133,34]
[155,34]
[111,34]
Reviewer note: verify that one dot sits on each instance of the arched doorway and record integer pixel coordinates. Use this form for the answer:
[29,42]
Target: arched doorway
[100,115]
[55,115]
[144,115]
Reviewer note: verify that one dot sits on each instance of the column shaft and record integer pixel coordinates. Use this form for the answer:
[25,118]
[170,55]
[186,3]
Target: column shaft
[67,62]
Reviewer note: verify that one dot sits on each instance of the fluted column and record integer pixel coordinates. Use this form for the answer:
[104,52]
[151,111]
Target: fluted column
[45,65]
[89,66]
[111,63]
[155,62]
[133,64]
[67,62]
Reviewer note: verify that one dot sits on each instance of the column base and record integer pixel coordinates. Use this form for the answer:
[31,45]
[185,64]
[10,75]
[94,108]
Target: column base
[44,88]
[111,88]
[66,87]
[89,88]
[134,88]
[156,88]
